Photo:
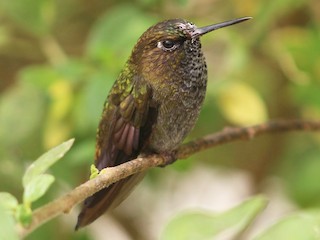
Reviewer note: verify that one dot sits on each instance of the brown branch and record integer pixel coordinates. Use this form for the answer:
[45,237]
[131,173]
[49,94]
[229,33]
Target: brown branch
[113,174]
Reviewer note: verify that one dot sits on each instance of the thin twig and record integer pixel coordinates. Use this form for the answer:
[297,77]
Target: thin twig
[113,174]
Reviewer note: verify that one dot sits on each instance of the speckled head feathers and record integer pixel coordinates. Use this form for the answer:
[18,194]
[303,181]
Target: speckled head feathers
[169,45]
[173,28]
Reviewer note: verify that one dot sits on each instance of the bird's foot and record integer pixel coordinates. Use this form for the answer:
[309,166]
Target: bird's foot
[169,157]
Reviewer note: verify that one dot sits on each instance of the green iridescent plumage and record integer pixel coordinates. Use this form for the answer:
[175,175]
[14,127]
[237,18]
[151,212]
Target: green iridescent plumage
[152,106]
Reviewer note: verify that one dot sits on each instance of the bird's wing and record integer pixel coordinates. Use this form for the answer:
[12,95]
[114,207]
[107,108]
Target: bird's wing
[124,129]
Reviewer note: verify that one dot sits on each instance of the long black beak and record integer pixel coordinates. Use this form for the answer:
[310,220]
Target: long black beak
[203,30]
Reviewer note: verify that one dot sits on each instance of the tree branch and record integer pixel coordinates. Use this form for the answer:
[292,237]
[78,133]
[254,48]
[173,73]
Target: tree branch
[113,174]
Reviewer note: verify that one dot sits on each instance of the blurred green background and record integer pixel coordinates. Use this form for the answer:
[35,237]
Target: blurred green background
[58,60]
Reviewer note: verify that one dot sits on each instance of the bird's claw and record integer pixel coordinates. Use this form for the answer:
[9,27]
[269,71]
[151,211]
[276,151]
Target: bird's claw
[169,157]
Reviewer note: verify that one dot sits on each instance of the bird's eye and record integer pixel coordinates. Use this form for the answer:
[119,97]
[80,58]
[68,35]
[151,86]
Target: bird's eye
[168,45]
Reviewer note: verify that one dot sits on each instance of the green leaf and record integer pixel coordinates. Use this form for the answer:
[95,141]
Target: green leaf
[7,225]
[45,161]
[37,187]
[300,226]
[8,201]
[94,172]
[24,214]
[205,225]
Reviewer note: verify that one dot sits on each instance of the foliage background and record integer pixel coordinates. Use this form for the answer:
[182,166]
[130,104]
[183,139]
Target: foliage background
[58,59]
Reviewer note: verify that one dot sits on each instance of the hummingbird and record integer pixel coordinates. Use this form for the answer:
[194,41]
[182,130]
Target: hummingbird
[152,106]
